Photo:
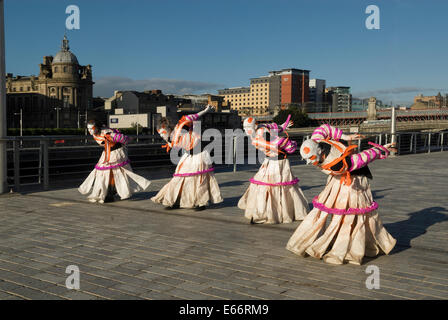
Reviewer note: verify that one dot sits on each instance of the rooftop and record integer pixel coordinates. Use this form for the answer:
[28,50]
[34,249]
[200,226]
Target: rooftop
[65,55]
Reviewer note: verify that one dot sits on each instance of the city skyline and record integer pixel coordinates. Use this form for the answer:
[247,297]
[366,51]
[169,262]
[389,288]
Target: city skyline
[183,48]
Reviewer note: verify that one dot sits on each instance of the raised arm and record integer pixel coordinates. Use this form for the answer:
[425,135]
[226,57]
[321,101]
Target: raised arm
[326,131]
[196,116]
[276,128]
[118,137]
[363,158]
[259,142]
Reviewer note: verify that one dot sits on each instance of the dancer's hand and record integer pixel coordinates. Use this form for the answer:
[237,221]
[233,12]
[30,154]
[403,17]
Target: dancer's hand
[391,147]
[210,108]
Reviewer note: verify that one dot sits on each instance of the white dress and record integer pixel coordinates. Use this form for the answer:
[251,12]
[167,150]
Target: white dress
[194,183]
[274,203]
[344,225]
[126,181]
[274,195]
[191,190]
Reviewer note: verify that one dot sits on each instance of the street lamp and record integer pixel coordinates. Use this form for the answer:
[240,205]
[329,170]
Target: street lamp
[57,116]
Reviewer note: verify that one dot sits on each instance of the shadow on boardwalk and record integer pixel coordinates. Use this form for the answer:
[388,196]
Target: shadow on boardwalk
[416,225]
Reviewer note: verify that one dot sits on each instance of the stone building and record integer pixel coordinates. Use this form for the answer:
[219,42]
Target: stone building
[200,101]
[430,102]
[58,97]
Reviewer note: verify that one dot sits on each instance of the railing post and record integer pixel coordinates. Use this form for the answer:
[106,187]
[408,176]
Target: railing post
[415,142]
[429,142]
[44,146]
[411,143]
[16,147]
[40,165]
[393,130]
[234,153]
[441,141]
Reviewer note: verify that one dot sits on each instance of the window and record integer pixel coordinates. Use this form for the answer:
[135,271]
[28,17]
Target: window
[66,101]
[55,69]
[65,69]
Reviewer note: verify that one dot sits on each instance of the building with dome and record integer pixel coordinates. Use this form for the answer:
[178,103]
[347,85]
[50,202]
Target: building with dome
[57,98]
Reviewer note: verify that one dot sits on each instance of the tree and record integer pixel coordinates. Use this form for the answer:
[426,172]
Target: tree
[299,117]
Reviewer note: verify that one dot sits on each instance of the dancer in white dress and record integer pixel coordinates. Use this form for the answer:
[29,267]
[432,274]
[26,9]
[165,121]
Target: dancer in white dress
[193,184]
[355,229]
[274,195]
[113,173]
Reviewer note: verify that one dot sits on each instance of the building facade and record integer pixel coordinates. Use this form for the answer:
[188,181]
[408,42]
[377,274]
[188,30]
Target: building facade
[339,99]
[200,101]
[359,104]
[430,102]
[133,102]
[58,97]
[317,101]
[268,94]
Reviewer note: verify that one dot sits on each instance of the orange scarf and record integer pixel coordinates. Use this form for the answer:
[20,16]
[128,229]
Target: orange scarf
[343,172]
[108,144]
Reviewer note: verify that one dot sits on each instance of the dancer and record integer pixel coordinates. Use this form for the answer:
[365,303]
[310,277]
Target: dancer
[113,173]
[193,184]
[274,195]
[355,229]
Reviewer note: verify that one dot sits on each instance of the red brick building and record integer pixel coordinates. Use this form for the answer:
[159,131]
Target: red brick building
[294,86]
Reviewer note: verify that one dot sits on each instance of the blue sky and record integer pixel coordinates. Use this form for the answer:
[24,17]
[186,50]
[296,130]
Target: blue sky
[199,46]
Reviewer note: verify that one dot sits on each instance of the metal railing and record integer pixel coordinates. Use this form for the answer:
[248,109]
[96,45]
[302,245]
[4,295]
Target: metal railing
[36,160]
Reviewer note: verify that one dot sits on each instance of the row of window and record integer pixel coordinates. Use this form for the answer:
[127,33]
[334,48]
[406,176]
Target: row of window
[14,89]
[236,100]
[244,103]
[240,96]
[63,70]
[261,85]
[251,108]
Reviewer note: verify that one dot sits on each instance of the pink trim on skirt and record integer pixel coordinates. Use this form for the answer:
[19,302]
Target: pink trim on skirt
[193,173]
[322,207]
[287,183]
[122,164]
